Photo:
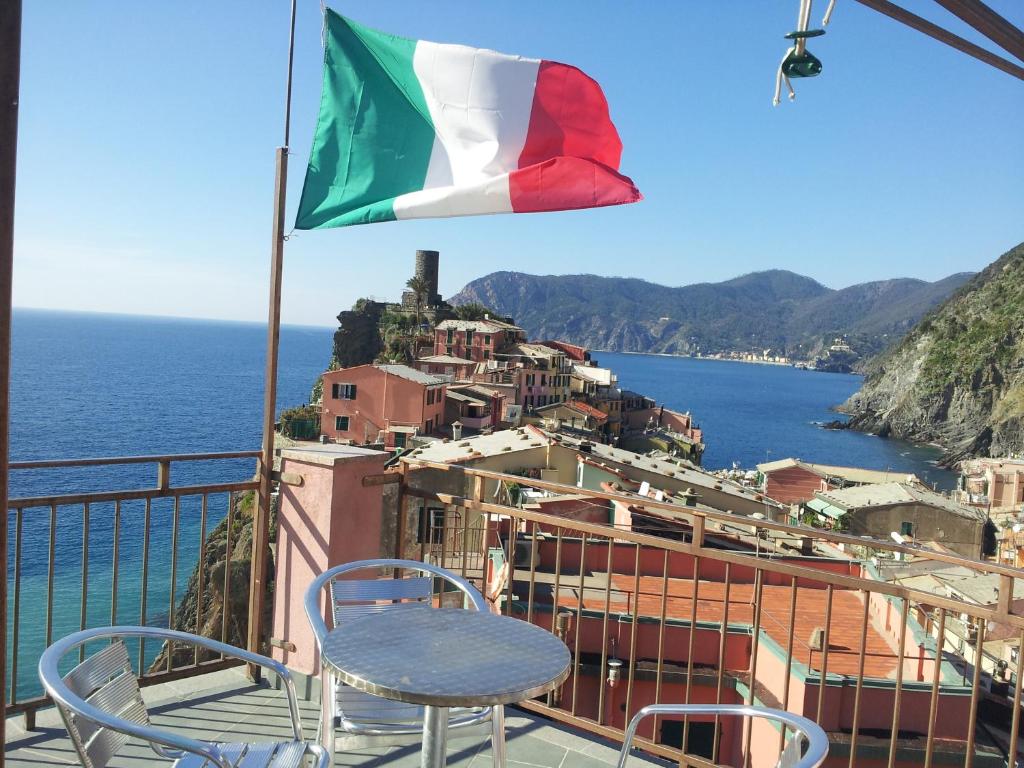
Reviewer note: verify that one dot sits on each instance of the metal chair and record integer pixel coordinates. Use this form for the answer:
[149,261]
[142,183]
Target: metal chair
[804,730]
[102,706]
[361,720]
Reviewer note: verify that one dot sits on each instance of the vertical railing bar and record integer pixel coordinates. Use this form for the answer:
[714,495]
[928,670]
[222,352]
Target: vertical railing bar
[513,534]
[145,582]
[558,581]
[722,641]
[789,659]
[465,540]
[1015,726]
[444,548]
[579,621]
[900,652]
[689,652]
[755,641]
[604,634]
[632,633]
[227,571]
[933,705]
[16,628]
[972,724]
[533,578]
[200,574]
[824,651]
[174,577]
[555,595]
[84,602]
[860,679]
[661,642]
[49,575]
[115,563]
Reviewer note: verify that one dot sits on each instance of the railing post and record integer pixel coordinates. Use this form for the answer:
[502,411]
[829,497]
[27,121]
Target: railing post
[10,70]
[163,474]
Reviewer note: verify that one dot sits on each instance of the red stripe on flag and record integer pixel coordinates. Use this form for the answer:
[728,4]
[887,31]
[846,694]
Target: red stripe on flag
[571,155]
[565,183]
[569,118]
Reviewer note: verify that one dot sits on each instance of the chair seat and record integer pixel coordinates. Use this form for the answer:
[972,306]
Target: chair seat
[285,754]
[357,710]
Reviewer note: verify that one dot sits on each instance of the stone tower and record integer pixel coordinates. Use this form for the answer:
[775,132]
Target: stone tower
[426,268]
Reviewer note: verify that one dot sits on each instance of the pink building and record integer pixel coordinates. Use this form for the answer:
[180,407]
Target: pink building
[476,340]
[381,403]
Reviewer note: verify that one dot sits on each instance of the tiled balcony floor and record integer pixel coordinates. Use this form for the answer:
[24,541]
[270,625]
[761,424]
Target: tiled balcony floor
[225,706]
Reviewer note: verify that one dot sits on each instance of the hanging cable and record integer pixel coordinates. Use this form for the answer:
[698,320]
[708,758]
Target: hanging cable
[828,13]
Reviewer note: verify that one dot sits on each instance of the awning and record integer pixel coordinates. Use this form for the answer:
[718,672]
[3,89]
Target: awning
[822,507]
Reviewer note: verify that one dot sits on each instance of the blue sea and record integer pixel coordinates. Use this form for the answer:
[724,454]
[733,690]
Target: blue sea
[91,385]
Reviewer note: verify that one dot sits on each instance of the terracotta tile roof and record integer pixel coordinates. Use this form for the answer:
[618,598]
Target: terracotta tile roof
[588,410]
[844,637]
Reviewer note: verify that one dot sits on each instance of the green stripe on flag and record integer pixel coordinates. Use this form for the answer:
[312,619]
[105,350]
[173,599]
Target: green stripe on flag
[374,134]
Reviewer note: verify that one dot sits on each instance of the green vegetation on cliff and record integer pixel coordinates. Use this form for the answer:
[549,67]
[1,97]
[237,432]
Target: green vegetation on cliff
[958,377]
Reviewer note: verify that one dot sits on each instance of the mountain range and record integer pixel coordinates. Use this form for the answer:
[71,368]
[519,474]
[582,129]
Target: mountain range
[788,313]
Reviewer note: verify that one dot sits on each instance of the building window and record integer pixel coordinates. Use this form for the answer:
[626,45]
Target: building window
[487,354]
[469,337]
[487,340]
[451,337]
[430,426]
[430,397]
[341,423]
[906,529]
[447,350]
[343,391]
[543,380]
[399,439]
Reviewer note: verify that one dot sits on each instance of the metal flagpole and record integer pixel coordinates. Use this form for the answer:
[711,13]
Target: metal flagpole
[10,67]
[261,521]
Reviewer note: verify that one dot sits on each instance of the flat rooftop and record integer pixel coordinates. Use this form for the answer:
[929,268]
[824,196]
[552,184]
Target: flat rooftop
[225,706]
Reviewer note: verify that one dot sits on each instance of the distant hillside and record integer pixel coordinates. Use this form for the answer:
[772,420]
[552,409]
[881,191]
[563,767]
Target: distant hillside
[776,309]
[957,378]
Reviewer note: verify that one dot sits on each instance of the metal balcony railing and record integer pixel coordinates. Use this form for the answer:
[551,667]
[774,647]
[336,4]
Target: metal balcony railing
[707,612]
[103,557]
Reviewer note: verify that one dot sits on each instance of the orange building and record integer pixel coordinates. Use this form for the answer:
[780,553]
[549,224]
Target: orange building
[381,404]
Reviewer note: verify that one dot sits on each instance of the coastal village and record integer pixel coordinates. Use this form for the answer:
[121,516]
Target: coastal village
[472,529]
[477,393]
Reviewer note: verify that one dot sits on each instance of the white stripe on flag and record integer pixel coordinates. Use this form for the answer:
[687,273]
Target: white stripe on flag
[480,102]
[486,196]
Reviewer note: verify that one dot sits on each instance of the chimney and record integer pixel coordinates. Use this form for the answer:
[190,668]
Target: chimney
[456,430]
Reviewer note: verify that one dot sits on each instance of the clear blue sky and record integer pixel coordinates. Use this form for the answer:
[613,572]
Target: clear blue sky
[148,132]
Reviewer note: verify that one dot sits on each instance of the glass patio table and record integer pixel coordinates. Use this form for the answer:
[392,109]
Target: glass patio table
[445,657]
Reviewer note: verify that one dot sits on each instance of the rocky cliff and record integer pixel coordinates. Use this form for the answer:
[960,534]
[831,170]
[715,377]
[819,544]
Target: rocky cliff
[779,310]
[957,379]
[219,608]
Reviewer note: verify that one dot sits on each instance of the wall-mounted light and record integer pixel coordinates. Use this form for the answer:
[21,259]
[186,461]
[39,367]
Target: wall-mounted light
[614,672]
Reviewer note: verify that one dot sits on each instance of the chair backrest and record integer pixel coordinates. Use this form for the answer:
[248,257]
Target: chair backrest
[106,681]
[352,597]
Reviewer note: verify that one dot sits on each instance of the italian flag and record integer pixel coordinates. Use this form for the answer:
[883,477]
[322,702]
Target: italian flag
[411,129]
